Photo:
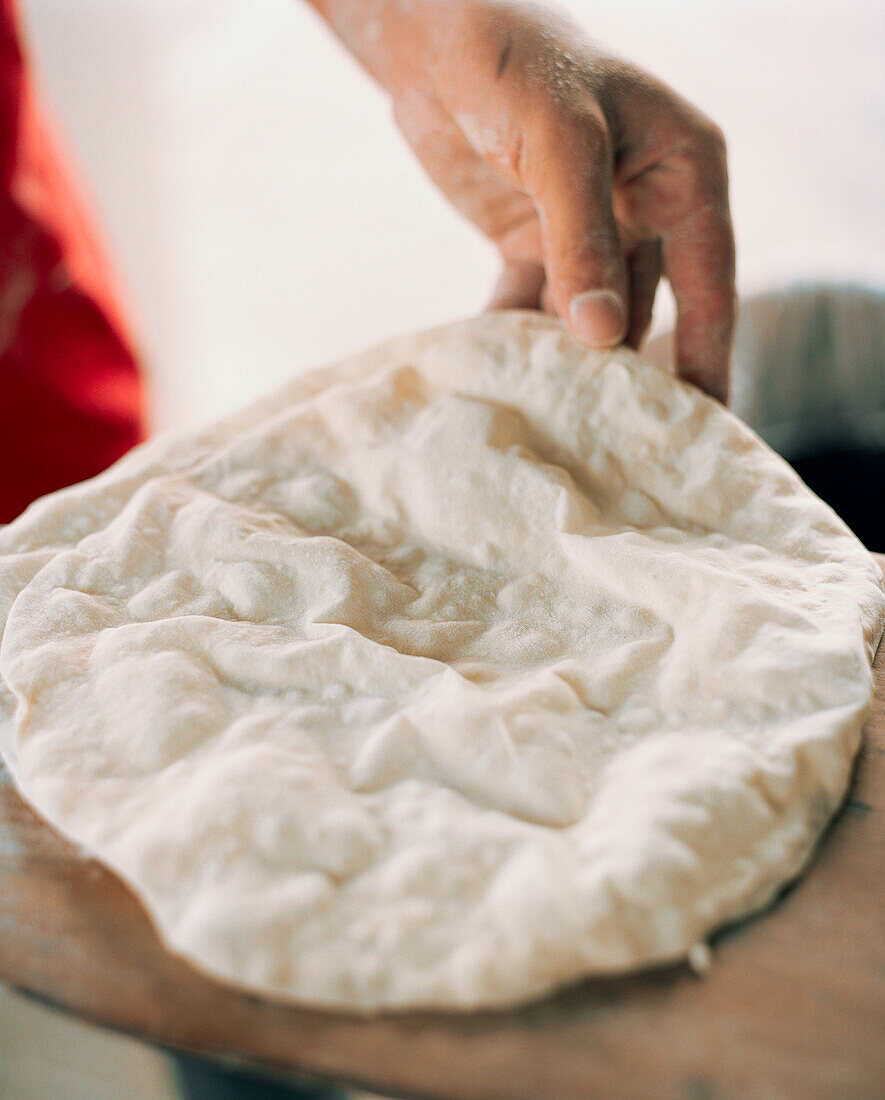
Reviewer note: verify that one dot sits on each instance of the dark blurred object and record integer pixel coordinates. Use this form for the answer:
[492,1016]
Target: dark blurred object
[809,376]
[809,368]
[853,484]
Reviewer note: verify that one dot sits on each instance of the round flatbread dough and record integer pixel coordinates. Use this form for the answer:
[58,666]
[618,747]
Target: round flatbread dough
[465,668]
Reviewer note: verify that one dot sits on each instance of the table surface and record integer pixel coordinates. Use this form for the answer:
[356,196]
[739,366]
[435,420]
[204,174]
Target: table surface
[793,1006]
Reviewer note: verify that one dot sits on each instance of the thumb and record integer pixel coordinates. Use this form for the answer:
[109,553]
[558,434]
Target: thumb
[571,166]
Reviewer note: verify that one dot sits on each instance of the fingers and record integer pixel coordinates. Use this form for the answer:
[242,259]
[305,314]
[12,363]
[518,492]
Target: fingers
[567,166]
[699,263]
[682,198]
[644,273]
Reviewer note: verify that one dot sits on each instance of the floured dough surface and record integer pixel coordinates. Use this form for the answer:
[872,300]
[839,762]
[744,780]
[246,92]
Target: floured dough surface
[464,668]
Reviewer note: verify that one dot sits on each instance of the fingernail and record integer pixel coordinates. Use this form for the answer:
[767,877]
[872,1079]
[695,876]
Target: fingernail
[598,318]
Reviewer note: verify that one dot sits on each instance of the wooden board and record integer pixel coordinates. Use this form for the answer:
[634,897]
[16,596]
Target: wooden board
[794,1005]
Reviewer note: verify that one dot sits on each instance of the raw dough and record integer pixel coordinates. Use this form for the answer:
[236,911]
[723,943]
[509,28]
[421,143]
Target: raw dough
[465,668]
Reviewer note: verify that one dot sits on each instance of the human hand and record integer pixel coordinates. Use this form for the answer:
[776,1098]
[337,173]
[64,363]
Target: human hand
[590,176]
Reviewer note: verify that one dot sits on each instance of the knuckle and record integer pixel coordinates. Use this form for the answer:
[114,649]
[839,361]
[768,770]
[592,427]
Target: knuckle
[711,152]
[693,175]
[704,176]
[719,141]
[712,139]
[701,159]
[596,245]
[592,129]
[561,132]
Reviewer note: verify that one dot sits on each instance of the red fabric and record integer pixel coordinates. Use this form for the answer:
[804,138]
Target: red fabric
[71,399]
